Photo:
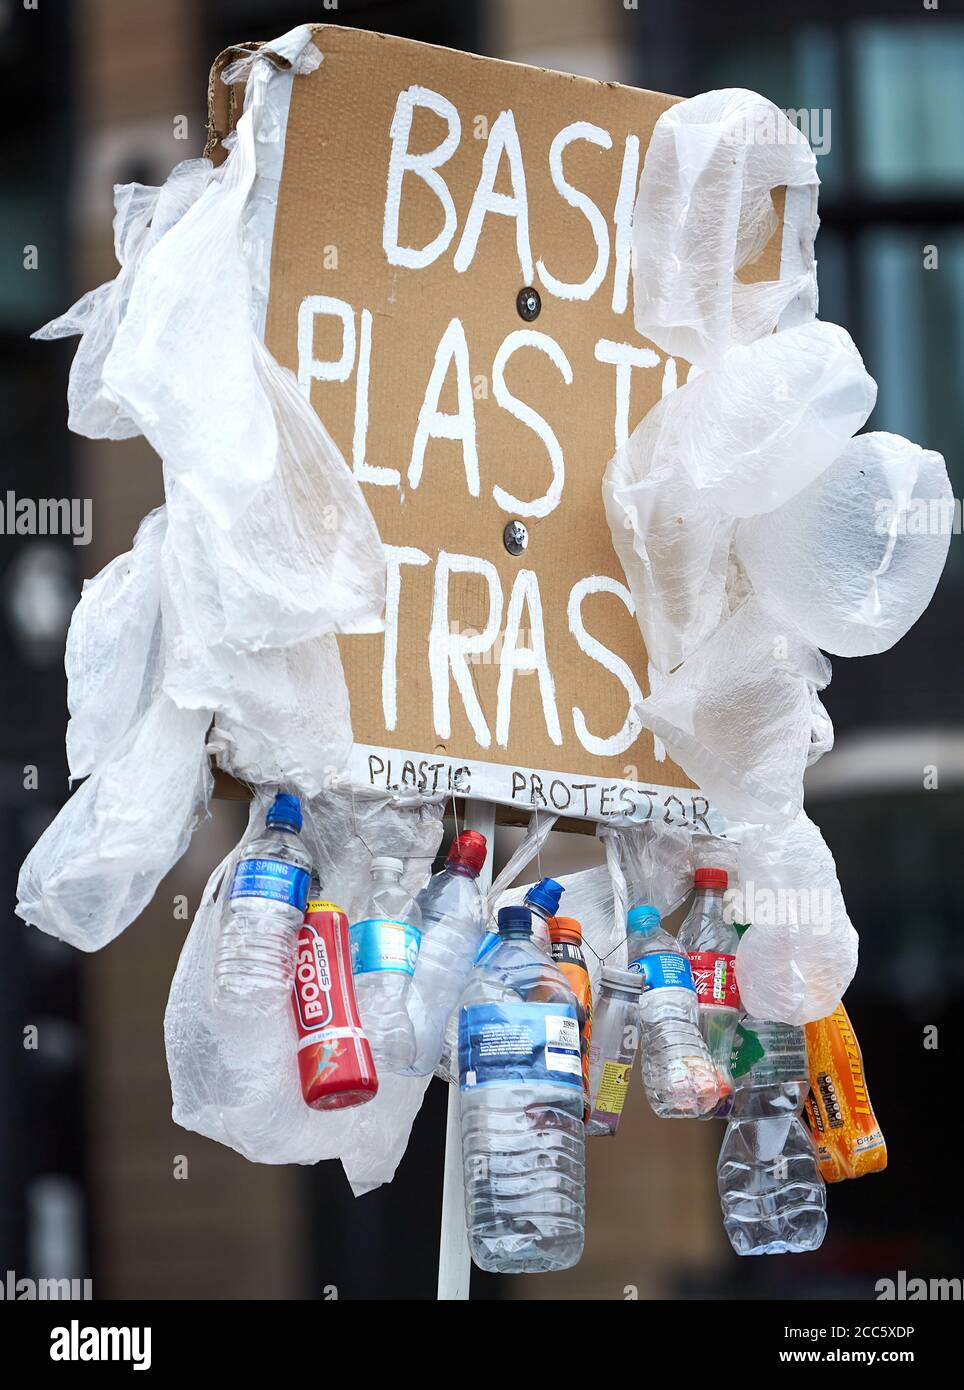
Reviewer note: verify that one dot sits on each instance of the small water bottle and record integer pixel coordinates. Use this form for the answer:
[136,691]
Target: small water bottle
[771,1192]
[384,950]
[613,1047]
[678,1074]
[254,964]
[521,1105]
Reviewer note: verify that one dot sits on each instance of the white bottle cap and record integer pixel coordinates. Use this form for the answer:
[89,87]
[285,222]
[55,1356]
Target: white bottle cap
[385,861]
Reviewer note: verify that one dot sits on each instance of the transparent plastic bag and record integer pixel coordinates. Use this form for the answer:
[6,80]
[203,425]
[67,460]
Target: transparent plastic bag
[113,649]
[767,420]
[797,958]
[704,211]
[734,442]
[854,558]
[282,714]
[99,862]
[235,1079]
[656,861]
[284,524]
[142,215]
[738,715]
[672,543]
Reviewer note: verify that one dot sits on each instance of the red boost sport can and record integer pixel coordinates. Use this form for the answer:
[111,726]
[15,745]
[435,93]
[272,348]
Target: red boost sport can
[334,1059]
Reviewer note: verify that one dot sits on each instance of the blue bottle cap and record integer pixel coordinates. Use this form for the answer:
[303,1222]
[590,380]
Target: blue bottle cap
[643,918]
[515,921]
[546,895]
[285,811]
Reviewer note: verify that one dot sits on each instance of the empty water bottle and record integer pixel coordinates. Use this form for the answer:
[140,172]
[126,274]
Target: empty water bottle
[613,1047]
[678,1073]
[772,1195]
[453,924]
[521,1104]
[254,964]
[542,900]
[384,949]
[710,941]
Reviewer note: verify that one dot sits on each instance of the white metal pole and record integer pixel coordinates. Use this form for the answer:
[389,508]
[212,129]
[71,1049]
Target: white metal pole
[454,1261]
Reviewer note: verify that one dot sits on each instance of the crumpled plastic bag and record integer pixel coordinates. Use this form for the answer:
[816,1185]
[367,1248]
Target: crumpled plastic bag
[735,442]
[738,715]
[99,862]
[672,543]
[703,212]
[235,1079]
[654,858]
[113,648]
[142,215]
[289,536]
[854,558]
[282,714]
[800,953]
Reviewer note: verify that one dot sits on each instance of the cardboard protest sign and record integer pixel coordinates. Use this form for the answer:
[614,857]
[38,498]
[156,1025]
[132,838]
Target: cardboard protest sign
[450,281]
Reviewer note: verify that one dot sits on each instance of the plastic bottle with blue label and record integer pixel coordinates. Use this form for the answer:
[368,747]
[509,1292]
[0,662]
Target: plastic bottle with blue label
[542,900]
[521,1108]
[678,1073]
[771,1192]
[254,964]
[384,950]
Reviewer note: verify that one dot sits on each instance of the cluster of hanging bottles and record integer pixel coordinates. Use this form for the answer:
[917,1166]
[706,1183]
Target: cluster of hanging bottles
[418,985]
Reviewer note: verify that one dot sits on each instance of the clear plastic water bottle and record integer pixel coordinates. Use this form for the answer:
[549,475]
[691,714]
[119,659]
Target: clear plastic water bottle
[521,1105]
[613,1047]
[384,949]
[542,900]
[678,1073]
[710,941]
[771,1192]
[453,924]
[255,960]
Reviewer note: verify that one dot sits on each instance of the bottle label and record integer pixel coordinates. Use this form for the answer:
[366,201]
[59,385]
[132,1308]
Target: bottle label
[274,879]
[489,943]
[611,1096]
[511,1043]
[664,970]
[377,944]
[714,976]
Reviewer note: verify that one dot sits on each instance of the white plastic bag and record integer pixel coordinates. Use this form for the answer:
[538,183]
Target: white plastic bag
[800,953]
[278,513]
[854,558]
[282,714]
[672,543]
[113,648]
[703,212]
[734,442]
[99,862]
[738,715]
[236,1079]
[142,215]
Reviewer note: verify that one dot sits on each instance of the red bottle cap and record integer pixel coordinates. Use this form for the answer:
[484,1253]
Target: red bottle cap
[711,878]
[468,848]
